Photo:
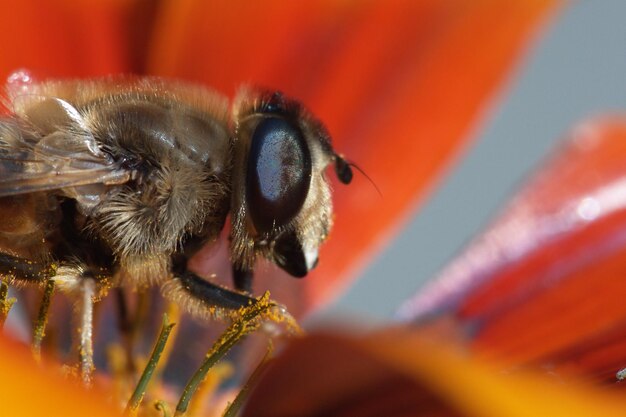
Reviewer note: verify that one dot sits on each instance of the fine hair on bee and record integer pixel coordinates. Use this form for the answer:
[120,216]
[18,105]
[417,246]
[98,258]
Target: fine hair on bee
[117,182]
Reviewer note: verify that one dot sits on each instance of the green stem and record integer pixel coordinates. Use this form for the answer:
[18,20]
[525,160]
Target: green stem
[140,390]
[217,353]
[242,395]
[241,327]
[5,303]
[42,319]
[4,291]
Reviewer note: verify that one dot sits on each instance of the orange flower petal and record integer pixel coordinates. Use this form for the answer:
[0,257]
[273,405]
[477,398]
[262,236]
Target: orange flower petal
[72,38]
[27,389]
[399,85]
[398,373]
[544,284]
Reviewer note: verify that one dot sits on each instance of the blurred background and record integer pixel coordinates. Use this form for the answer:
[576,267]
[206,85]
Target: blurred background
[576,70]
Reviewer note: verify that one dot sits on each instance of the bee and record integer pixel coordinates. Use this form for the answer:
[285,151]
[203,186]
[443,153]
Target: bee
[117,182]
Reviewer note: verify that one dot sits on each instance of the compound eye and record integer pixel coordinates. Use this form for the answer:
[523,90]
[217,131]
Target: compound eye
[278,173]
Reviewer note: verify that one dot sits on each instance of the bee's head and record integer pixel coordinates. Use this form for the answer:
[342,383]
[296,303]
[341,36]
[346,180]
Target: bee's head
[281,204]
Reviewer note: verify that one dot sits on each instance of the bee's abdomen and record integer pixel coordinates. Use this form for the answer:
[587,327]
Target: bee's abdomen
[28,219]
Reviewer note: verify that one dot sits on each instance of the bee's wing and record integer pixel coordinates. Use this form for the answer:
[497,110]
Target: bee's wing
[49,147]
[21,175]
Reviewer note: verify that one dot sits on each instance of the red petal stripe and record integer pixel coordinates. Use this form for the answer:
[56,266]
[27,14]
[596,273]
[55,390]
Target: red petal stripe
[398,83]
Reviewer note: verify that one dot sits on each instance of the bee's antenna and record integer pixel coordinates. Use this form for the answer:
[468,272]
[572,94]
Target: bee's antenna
[344,172]
[358,168]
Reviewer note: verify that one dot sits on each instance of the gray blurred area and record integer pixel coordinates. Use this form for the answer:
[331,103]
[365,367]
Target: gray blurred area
[576,70]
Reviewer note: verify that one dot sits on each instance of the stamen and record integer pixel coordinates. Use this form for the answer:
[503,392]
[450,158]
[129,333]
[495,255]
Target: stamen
[5,303]
[248,320]
[140,390]
[163,407]
[42,320]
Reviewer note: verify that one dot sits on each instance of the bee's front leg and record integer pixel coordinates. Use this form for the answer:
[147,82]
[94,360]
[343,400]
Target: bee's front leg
[200,297]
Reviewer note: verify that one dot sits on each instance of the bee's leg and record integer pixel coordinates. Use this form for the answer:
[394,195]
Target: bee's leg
[71,278]
[242,278]
[22,271]
[200,297]
[84,308]
[82,286]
